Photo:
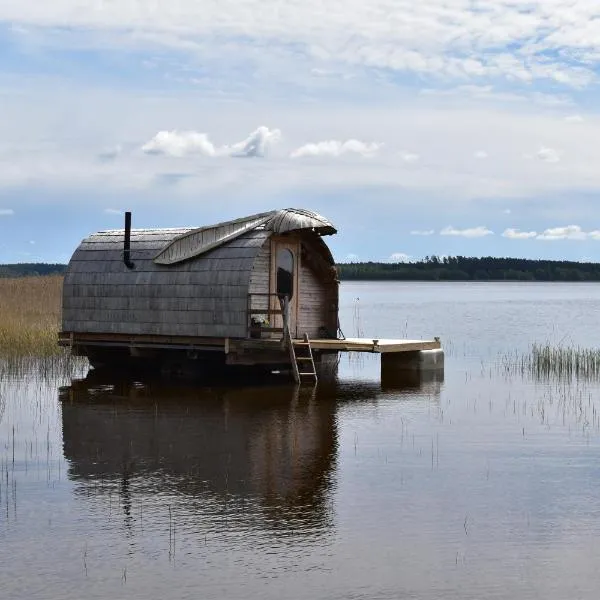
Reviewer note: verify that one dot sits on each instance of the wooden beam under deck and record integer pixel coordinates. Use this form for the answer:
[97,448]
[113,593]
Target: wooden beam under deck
[151,341]
[232,345]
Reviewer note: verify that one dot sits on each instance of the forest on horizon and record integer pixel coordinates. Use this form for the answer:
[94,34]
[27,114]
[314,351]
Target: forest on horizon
[31,269]
[462,268]
[431,268]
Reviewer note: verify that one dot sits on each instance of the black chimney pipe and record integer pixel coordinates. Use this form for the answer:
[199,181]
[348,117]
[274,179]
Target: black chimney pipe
[127,242]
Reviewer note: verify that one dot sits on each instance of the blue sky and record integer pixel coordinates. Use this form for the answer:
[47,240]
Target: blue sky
[446,127]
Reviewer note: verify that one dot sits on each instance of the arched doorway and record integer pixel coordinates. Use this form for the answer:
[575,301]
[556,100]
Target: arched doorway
[285,273]
[284,279]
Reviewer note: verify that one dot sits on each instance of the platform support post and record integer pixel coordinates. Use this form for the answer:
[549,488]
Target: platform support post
[419,361]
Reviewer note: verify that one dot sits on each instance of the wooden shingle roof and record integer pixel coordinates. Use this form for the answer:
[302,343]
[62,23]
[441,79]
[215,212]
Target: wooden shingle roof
[195,242]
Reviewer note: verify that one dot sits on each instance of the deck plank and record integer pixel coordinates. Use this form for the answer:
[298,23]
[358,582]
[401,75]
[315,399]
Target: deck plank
[383,346]
[379,346]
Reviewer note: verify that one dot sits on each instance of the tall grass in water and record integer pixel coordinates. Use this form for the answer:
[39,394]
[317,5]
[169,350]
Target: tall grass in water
[545,361]
[548,361]
[30,316]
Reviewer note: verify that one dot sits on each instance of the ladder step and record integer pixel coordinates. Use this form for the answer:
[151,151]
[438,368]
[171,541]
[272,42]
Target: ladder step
[305,360]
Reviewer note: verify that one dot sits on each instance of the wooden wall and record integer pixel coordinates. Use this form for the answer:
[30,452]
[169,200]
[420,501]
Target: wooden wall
[318,302]
[206,296]
[260,278]
[318,305]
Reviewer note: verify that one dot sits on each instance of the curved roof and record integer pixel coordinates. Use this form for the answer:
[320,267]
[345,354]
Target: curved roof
[194,242]
[294,219]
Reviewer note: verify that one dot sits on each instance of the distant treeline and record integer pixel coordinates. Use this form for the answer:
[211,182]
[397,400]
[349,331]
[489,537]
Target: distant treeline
[431,268]
[461,268]
[30,269]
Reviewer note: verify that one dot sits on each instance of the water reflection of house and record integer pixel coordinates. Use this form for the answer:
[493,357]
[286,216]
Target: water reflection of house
[274,445]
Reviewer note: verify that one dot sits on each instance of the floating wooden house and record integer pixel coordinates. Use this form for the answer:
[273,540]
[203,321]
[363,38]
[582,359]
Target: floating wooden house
[261,290]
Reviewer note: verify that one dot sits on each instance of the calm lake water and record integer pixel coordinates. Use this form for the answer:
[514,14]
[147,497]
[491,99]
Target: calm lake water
[481,483]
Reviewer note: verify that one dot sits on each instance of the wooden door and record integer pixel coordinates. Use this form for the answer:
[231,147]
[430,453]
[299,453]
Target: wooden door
[284,279]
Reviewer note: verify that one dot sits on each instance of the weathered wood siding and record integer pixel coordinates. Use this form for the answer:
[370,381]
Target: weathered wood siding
[260,278]
[318,302]
[313,301]
[204,296]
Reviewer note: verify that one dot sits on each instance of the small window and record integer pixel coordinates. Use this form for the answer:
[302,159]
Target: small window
[285,273]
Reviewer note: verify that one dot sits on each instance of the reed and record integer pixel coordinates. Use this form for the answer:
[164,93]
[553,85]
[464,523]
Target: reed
[569,362]
[545,362]
[30,309]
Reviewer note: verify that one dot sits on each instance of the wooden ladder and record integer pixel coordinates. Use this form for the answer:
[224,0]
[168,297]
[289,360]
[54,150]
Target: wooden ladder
[303,362]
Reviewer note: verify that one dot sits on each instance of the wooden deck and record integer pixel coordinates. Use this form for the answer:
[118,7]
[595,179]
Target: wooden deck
[379,346]
[397,355]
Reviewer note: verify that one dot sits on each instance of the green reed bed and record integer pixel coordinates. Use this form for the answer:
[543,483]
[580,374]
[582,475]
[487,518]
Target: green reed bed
[548,361]
[545,361]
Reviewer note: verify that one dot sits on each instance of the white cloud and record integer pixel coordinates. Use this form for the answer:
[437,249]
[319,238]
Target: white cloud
[549,100]
[422,232]
[574,119]
[475,92]
[594,235]
[569,232]
[335,148]
[480,154]
[113,211]
[446,135]
[256,144]
[489,93]
[409,157]
[399,257]
[513,40]
[180,143]
[515,234]
[473,232]
[549,155]
[6,212]
[185,143]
